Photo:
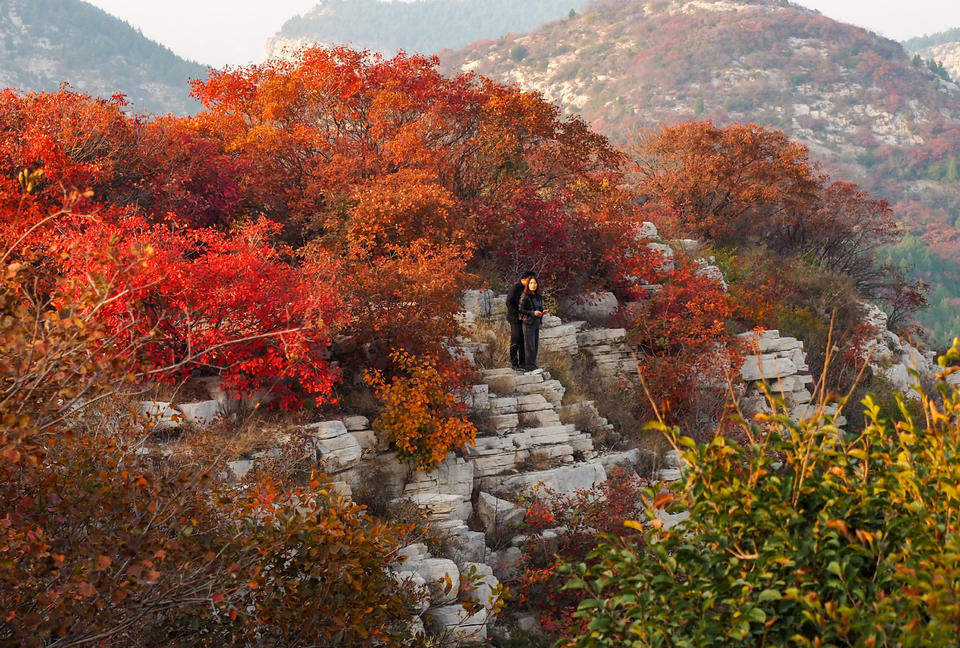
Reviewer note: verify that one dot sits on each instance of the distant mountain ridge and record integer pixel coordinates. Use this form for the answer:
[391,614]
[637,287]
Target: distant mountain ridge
[44,43]
[943,47]
[422,26]
[858,100]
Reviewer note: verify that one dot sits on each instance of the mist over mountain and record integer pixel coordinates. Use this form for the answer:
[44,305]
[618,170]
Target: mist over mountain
[425,26]
[867,110]
[44,43]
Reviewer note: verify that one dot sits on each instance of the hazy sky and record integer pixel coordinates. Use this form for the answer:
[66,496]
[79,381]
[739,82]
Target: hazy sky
[219,32]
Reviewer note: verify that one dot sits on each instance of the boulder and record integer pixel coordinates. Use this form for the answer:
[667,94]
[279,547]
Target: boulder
[479,584]
[506,563]
[203,414]
[714,273]
[158,416]
[414,583]
[495,514]
[647,230]
[366,438]
[468,547]
[442,578]
[325,429]
[592,306]
[356,423]
[455,625]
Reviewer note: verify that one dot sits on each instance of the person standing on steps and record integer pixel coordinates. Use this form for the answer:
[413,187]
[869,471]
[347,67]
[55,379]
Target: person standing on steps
[531,315]
[513,318]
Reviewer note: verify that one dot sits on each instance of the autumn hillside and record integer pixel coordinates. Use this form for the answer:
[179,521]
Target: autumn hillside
[856,99]
[256,386]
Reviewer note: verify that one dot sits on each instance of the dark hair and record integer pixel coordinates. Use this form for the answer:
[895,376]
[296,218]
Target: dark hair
[528,274]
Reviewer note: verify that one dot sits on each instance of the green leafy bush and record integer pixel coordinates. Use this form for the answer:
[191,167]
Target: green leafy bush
[806,535]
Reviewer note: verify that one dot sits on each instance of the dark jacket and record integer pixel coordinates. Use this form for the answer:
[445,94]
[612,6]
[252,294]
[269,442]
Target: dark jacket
[530,303]
[513,302]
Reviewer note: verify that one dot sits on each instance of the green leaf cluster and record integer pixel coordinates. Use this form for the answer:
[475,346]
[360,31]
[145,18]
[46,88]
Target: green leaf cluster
[806,535]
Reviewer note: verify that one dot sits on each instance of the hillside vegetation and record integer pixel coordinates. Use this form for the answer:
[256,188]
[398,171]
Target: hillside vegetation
[942,47]
[857,100]
[44,43]
[302,249]
[422,26]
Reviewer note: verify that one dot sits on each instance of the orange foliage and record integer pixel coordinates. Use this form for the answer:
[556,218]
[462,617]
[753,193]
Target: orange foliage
[424,410]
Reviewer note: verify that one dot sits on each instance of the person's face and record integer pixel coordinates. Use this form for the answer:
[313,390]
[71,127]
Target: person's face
[525,281]
[532,285]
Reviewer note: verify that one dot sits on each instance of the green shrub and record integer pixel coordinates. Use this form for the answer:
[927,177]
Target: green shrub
[803,536]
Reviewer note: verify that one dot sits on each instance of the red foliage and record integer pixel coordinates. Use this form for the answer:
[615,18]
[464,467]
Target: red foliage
[579,520]
[216,303]
[684,346]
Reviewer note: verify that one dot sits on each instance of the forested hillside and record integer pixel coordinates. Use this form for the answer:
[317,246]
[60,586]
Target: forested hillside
[865,107]
[425,26]
[942,48]
[44,43]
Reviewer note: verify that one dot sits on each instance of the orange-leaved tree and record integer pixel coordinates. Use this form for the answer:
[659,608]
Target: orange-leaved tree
[424,409]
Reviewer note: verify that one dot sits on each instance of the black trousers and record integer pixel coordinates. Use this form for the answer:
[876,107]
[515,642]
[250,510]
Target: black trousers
[531,344]
[516,342]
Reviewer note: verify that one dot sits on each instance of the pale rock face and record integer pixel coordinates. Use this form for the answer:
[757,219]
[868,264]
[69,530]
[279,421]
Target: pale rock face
[202,415]
[495,514]
[483,584]
[671,520]
[442,578]
[455,625]
[479,302]
[158,416]
[339,453]
[626,460]
[714,273]
[453,476]
[647,230]
[565,479]
[414,583]
[239,469]
[594,306]
[767,367]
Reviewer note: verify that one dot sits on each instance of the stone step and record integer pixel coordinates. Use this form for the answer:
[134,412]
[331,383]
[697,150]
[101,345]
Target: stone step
[564,479]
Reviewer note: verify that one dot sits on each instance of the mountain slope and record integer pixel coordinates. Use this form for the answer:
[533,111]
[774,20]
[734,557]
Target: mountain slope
[866,111]
[44,43]
[419,26]
[943,47]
